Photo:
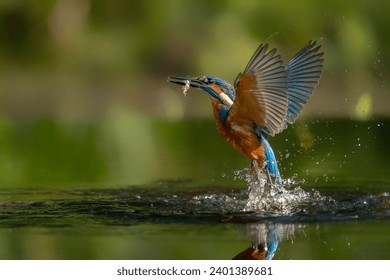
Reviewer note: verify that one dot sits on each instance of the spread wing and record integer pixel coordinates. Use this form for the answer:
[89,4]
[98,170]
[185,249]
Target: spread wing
[303,73]
[271,95]
[261,93]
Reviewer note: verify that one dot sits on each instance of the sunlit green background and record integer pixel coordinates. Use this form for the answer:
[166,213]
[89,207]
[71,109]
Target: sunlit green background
[84,101]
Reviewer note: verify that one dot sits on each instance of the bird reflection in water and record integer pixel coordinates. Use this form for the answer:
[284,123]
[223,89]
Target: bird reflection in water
[265,239]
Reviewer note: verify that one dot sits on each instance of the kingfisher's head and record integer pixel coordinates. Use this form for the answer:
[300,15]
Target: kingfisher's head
[218,89]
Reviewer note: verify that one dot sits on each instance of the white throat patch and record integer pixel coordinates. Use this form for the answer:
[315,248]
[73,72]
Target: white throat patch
[226,99]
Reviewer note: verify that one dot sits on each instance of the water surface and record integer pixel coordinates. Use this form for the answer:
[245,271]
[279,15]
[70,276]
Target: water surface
[73,192]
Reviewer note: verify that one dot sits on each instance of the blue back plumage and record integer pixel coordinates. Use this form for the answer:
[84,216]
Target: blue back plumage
[272,247]
[272,242]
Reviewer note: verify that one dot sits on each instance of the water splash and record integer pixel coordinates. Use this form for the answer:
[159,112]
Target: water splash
[266,197]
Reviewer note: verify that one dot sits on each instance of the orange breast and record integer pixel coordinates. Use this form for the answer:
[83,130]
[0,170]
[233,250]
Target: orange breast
[241,137]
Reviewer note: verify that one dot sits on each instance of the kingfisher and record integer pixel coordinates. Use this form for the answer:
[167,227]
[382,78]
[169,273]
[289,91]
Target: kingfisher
[265,98]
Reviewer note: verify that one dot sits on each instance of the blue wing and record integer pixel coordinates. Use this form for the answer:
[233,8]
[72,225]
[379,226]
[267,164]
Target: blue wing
[303,73]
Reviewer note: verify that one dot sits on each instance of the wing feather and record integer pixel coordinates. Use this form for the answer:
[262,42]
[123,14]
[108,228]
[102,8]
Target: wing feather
[303,73]
[268,86]
[271,95]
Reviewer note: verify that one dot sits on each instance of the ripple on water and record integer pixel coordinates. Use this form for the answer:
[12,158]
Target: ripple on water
[175,202]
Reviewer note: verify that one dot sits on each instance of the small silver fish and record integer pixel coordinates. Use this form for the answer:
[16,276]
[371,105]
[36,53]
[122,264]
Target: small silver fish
[186,87]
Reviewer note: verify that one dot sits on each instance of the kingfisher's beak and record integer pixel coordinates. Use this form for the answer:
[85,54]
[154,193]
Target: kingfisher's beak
[185,81]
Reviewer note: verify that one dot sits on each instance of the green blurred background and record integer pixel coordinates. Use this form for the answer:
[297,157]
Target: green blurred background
[85,105]
[84,97]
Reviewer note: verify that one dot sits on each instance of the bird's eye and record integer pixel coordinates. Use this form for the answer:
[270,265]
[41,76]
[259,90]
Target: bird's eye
[206,80]
[203,79]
